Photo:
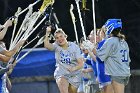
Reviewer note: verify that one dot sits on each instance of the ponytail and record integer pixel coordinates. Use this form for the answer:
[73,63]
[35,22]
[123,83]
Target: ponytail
[116,33]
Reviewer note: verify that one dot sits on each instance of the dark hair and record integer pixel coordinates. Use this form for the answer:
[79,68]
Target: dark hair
[116,33]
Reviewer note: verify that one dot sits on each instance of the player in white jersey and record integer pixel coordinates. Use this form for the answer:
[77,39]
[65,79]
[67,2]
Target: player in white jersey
[69,61]
[115,54]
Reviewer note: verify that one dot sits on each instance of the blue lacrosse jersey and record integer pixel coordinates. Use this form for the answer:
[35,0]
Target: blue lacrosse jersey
[88,64]
[93,64]
[1,83]
[102,77]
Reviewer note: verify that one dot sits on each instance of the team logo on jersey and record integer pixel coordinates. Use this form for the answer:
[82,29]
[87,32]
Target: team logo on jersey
[65,57]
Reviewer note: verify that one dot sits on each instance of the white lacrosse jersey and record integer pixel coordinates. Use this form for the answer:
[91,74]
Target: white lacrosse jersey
[115,54]
[66,58]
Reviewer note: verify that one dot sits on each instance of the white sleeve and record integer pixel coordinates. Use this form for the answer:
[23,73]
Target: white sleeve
[105,50]
[78,52]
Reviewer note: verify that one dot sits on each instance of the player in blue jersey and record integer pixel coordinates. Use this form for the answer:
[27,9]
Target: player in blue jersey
[69,61]
[89,73]
[115,54]
[104,80]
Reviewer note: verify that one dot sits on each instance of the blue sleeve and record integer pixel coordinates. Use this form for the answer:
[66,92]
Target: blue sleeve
[88,61]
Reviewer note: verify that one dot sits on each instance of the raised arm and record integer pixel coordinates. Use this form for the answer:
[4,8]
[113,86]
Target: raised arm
[47,43]
[7,24]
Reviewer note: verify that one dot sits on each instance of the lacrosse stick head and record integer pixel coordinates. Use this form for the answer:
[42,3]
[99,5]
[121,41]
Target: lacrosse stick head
[88,45]
[45,4]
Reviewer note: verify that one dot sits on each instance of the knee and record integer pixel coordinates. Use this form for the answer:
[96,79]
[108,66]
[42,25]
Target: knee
[62,81]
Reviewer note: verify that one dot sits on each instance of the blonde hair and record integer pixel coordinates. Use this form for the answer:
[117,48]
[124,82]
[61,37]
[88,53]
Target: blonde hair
[60,31]
[104,29]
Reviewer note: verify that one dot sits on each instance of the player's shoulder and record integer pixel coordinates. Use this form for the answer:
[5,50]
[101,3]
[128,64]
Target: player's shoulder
[112,39]
[72,44]
[124,43]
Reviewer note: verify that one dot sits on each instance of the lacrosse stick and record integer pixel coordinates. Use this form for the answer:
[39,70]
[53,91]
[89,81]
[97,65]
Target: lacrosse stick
[32,20]
[73,21]
[94,21]
[81,21]
[41,40]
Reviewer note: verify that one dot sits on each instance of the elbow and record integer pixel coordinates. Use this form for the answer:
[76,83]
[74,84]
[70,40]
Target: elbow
[6,59]
[9,53]
[49,46]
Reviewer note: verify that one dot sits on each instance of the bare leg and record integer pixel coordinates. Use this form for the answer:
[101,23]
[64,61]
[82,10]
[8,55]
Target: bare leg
[62,85]
[117,87]
[72,89]
[108,89]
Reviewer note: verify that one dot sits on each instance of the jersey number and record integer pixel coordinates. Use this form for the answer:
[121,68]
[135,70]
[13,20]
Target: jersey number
[65,60]
[124,55]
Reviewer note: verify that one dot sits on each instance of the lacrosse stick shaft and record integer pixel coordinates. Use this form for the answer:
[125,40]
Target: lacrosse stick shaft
[38,43]
[26,36]
[21,30]
[81,21]
[45,4]
[56,21]
[31,5]
[30,42]
[26,54]
[15,24]
[73,20]
[94,21]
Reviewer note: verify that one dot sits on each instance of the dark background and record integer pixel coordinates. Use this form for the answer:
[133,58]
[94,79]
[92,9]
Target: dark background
[127,10]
